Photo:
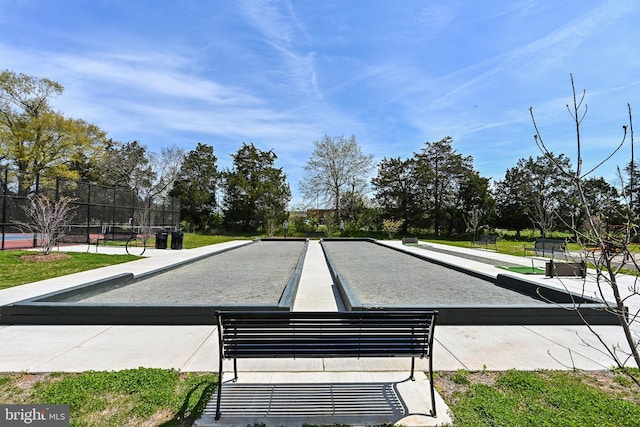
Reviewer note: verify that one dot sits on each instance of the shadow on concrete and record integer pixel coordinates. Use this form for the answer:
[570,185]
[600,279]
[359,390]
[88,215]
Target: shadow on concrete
[312,404]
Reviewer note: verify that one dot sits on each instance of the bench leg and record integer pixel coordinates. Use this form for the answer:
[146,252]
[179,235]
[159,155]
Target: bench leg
[219,390]
[413,365]
[433,388]
[431,384]
[235,378]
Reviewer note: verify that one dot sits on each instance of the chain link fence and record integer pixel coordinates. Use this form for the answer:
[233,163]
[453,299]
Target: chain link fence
[96,209]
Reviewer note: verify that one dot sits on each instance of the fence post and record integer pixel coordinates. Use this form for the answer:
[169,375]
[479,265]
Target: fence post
[4,203]
[113,208]
[35,236]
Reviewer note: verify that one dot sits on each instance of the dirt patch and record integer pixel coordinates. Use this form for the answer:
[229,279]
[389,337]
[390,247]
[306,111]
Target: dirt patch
[451,385]
[39,257]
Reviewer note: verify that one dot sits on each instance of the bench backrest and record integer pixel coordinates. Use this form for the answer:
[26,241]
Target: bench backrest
[406,240]
[326,334]
[551,244]
[488,238]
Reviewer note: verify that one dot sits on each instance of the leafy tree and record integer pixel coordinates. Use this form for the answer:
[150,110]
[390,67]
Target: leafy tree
[440,172]
[128,166]
[632,186]
[34,138]
[354,204]
[196,186]
[474,195]
[603,200]
[512,201]
[550,193]
[148,175]
[397,190]
[392,226]
[337,166]
[533,188]
[256,193]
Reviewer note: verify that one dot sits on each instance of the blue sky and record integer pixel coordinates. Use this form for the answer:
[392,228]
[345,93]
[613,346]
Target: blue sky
[282,74]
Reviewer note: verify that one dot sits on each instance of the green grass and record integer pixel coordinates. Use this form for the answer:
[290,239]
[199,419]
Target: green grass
[510,247]
[523,269]
[192,240]
[123,398]
[545,398]
[16,270]
[161,397]
[505,246]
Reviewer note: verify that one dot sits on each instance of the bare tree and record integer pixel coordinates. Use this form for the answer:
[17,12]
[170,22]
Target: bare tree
[473,219]
[164,168]
[610,251]
[336,167]
[47,220]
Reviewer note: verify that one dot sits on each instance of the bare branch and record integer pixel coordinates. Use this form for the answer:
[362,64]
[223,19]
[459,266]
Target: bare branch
[611,245]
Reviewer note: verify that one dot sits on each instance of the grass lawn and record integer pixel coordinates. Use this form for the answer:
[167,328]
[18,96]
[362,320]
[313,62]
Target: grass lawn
[152,397]
[198,240]
[159,397]
[543,398]
[511,247]
[20,267]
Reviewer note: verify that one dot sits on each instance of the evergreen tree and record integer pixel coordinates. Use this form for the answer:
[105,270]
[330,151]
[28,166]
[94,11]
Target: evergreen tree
[397,190]
[256,193]
[196,187]
[440,173]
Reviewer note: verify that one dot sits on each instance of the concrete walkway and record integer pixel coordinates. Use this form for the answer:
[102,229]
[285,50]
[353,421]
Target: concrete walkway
[194,348]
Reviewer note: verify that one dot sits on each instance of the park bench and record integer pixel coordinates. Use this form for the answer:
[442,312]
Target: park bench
[547,247]
[92,234]
[110,233]
[285,334]
[486,240]
[409,240]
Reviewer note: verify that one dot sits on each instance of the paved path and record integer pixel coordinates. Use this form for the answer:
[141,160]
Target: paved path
[316,291]
[194,348]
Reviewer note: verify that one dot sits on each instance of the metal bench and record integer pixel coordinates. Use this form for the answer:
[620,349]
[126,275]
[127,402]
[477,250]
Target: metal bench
[110,233]
[486,240]
[548,246]
[135,243]
[285,334]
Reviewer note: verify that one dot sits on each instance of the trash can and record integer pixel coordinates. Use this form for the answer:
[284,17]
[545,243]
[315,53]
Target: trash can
[176,239]
[161,239]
